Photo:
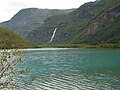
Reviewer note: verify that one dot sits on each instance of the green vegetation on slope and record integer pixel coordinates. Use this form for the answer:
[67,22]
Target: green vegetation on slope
[76,21]
[28,19]
[68,26]
[94,23]
[105,45]
[43,33]
[10,39]
[108,35]
[105,28]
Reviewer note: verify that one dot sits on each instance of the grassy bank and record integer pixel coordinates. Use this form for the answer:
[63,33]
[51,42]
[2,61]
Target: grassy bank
[106,45]
[10,39]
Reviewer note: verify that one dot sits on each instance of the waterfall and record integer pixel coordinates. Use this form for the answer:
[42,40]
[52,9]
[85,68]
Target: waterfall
[53,35]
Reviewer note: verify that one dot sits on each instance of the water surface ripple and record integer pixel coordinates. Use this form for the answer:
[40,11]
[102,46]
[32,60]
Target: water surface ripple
[72,69]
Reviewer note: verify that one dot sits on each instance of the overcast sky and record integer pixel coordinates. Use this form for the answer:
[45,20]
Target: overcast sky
[8,8]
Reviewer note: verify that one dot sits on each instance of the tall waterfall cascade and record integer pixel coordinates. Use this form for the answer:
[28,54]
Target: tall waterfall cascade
[53,35]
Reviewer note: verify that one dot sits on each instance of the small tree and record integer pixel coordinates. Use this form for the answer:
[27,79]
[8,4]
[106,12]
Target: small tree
[9,73]
[8,60]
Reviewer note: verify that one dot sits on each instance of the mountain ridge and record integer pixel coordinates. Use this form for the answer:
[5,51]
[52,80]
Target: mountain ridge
[107,22]
[69,26]
[28,19]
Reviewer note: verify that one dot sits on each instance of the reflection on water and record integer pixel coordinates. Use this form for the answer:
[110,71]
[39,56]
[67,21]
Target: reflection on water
[72,69]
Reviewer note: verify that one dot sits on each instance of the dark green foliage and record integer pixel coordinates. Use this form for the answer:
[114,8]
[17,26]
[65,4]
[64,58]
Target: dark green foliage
[54,21]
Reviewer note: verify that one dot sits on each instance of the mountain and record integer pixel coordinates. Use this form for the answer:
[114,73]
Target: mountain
[68,26]
[92,23]
[28,19]
[10,39]
[104,28]
[43,33]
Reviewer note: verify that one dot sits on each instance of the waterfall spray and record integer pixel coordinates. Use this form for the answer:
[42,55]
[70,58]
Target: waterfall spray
[53,35]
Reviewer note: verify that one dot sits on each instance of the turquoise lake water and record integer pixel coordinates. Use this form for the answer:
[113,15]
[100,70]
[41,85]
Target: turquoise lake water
[72,69]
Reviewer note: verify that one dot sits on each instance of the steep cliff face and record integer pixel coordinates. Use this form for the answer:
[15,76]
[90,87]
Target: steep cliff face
[27,20]
[43,33]
[79,18]
[104,28]
[105,20]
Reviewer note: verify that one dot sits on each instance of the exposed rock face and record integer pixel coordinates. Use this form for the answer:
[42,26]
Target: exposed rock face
[41,35]
[72,26]
[103,23]
[105,20]
[86,11]
[68,26]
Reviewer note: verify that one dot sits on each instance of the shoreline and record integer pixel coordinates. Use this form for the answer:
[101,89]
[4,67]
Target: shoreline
[107,46]
[104,46]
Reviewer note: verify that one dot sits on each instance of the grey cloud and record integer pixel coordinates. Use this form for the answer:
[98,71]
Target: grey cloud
[17,4]
[6,10]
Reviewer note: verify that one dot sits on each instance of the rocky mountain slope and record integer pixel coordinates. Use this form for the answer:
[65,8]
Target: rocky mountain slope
[68,27]
[104,28]
[28,19]
[92,23]
[43,33]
